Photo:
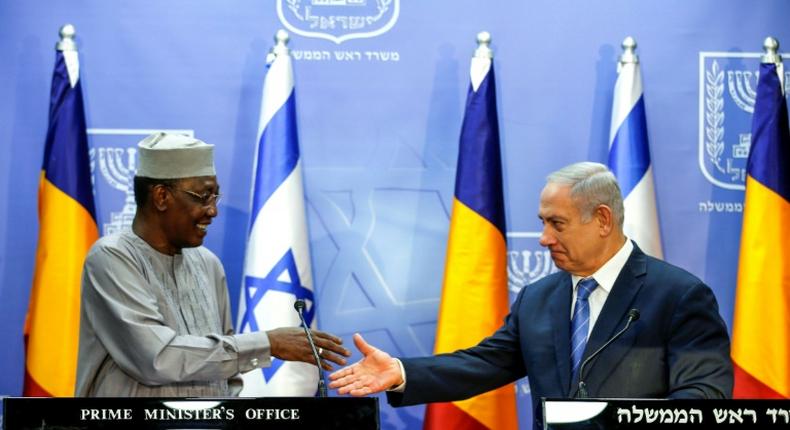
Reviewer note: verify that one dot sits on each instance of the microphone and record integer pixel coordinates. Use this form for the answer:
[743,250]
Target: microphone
[633,315]
[299,306]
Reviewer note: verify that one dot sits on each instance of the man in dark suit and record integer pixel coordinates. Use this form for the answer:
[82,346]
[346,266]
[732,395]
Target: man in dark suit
[677,345]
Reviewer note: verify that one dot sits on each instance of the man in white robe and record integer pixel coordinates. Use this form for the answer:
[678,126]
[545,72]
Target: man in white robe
[156,319]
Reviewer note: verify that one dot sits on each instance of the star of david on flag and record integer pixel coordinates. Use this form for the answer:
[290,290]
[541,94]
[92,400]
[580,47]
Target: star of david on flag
[277,261]
[283,278]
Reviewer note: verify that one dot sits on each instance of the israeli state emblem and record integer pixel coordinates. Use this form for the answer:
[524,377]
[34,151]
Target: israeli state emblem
[727,91]
[338,20]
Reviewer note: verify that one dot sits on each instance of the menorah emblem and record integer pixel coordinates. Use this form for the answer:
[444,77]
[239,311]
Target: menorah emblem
[742,85]
[741,89]
[120,176]
[526,266]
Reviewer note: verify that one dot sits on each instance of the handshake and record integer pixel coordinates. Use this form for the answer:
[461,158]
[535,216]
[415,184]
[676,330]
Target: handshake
[377,371]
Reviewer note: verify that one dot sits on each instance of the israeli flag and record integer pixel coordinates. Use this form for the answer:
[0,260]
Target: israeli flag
[277,262]
[629,155]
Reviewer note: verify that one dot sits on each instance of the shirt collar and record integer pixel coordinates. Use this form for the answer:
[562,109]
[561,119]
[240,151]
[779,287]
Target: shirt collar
[608,273]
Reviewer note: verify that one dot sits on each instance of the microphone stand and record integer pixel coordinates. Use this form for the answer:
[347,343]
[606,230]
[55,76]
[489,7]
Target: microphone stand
[633,315]
[299,306]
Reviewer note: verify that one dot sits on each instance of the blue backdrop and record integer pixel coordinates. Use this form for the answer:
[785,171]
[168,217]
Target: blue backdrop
[380,88]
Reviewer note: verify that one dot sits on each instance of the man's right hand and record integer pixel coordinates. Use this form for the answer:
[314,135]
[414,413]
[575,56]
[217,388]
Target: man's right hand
[377,371]
[290,343]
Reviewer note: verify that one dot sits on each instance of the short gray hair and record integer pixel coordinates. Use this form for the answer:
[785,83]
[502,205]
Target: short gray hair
[592,184]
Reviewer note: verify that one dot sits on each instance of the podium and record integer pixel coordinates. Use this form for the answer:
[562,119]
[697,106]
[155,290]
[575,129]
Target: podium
[578,414]
[142,413]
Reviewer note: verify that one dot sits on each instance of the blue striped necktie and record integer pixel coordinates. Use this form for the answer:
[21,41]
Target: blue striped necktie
[580,323]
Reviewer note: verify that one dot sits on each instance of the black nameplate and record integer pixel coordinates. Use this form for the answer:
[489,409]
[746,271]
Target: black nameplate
[665,414]
[194,414]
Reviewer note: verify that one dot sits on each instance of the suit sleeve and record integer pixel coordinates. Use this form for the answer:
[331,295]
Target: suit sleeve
[699,348]
[492,363]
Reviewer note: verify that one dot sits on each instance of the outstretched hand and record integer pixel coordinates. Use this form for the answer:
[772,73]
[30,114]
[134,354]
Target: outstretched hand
[290,343]
[375,372]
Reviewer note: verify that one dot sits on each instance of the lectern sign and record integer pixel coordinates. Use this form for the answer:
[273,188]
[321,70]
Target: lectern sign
[195,414]
[669,414]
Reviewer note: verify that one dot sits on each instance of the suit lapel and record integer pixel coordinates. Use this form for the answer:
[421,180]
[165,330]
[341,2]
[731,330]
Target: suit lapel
[560,314]
[613,317]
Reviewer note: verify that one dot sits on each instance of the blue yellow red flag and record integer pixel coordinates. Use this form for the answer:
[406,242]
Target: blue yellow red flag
[67,229]
[761,325]
[474,294]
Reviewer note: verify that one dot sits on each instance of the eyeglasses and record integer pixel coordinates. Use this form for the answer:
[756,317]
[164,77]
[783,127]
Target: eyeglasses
[205,200]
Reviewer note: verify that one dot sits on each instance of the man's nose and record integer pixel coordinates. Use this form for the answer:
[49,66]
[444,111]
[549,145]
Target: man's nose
[212,210]
[546,238]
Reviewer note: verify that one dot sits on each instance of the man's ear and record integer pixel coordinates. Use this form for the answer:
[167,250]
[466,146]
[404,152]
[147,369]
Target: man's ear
[161,197]
[605,219]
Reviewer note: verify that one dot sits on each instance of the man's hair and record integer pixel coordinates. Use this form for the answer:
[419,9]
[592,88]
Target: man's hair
[592,184]
[143,186]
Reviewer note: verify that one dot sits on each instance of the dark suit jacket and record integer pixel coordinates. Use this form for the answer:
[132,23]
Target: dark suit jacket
[679,348]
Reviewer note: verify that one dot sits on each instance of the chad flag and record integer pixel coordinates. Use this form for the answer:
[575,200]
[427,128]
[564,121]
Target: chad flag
[474,296]
[67,228]
[761,331]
